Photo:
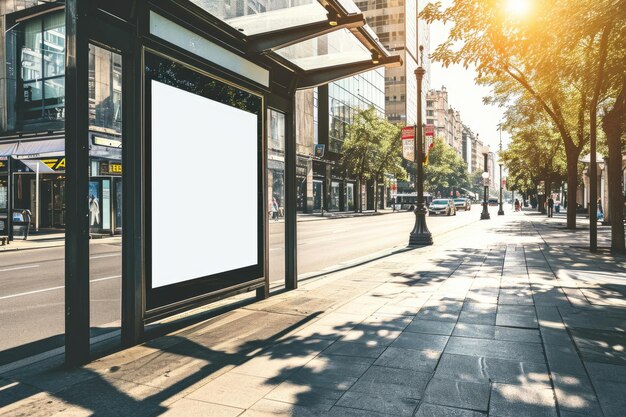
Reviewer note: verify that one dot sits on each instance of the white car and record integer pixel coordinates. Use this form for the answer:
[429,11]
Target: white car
[442,206]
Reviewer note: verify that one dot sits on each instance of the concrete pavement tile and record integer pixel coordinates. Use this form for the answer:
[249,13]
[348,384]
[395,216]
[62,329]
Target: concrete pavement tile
[420,341]
[305,395]
[382,380]
[193,408]
[515,309]
[556,336]
[481,369]
[611,397]
[371,336]
[521,401]
[387,321]
[433,410]
[398,309]
[500,349]
[517,335]
[270,408]
[564,359]
[606,372]
[352,366]
[480,307]
[477,318]
[479,331]
[417,360]
[389,404]
[354,349]
[515,320]
[337,411]
[460,394]
[234,390]
[574,393]
[600,345]
[332,379]
[431,327]
[437,315]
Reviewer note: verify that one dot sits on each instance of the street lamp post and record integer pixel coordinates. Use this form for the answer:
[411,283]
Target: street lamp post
[420,235]
[485,213]
[501,210]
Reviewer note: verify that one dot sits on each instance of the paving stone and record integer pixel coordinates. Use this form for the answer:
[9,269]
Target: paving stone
[517,351]
[433,410]
[479,331]
[516,320]
[611,397]
[606,372]
[354,349]
[417,360]
[339,381]
[477,318]
[480,307]
[460,394]
[430,327]
[234,390]
[481,369]
[304,394]
[371,336]
[390,404]
[521,401]
[517,310]
[193,408]
[270,408]
[337,411]
[574,393]
[353,366]
[381,380]
[601,345]
[514,334]
[420,341]
[564,359]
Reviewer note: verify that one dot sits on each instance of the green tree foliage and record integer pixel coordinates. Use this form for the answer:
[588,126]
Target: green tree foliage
[553,56]
[446,171]
[372,148]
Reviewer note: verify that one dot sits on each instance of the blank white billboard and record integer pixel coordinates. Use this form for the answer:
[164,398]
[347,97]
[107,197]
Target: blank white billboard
[204,186]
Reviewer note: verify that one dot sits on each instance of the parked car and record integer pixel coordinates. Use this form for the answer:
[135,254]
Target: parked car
[442,206]
[462,204]
[493,201]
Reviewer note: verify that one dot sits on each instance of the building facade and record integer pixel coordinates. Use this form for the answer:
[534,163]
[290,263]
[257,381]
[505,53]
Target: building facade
[325,113]
[32,130]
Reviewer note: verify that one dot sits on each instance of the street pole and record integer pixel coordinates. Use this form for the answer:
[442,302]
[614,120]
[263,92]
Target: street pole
[485,213]
[420,235]
[501,210]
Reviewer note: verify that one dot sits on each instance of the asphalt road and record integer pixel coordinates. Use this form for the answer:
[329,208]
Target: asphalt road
[32,291]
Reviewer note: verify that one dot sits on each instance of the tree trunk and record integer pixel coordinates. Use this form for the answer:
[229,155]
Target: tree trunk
[612,126]
[375,195]
[572,187]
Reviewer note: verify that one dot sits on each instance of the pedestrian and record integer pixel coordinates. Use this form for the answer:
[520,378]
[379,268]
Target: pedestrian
[550,206]
[517,206]
[393,204]
[274,209]
[600,211]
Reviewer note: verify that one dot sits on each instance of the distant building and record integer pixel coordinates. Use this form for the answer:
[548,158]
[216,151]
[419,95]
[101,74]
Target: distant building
[468,139]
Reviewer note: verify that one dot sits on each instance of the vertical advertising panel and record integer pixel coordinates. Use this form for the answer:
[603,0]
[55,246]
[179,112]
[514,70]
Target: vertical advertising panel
[204,224]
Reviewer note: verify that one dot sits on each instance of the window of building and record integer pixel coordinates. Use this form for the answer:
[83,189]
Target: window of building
[105,91]
[41,61]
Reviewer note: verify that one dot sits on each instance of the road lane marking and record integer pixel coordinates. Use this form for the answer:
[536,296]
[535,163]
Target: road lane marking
[105,256]
[54,288]
[19,267]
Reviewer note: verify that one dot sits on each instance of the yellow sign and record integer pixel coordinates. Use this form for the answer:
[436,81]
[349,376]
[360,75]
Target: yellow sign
[57,164]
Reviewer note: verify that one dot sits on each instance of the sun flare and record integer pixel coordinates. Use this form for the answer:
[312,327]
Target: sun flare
[518,8]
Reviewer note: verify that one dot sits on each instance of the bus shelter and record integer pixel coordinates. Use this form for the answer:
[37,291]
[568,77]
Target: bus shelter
[197,81]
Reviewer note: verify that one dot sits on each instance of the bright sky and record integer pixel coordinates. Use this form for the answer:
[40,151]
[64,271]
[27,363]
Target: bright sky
[464,95]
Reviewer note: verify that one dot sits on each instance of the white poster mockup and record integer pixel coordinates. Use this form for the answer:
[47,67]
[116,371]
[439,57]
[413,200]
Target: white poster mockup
[204,186]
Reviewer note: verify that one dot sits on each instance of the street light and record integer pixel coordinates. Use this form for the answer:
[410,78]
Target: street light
[420,235]
[501,210]
[485,213]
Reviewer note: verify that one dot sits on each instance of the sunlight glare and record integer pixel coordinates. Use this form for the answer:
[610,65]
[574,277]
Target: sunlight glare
[518,8]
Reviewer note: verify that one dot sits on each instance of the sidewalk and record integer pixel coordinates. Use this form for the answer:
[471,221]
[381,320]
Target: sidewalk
[506,317]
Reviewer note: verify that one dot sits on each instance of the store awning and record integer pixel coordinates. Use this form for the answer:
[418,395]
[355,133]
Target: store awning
[320,40]
[33,164]
[7,149]
[39,148]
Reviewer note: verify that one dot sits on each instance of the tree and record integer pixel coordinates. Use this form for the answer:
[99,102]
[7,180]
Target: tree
[446,170]
[520,57]
[372,148]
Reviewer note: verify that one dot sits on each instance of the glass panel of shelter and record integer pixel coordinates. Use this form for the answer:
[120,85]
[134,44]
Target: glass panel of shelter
[276,197]
[105,190]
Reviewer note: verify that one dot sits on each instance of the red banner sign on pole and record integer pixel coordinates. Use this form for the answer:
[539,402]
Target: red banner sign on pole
[408,143]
